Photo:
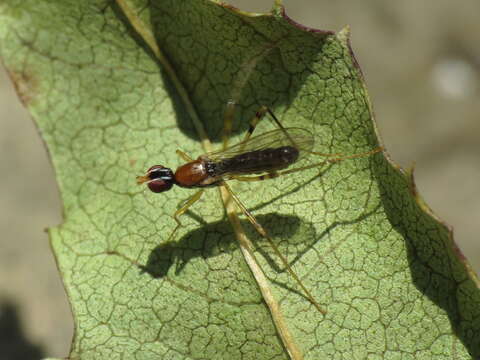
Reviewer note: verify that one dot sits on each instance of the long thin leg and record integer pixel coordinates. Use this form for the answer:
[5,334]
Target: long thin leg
[228,122]
[264,234]
[285,131]
[259,115]
[239,83]
[291,171]
[184,156]
[177,214]
[266,109]
[183,209]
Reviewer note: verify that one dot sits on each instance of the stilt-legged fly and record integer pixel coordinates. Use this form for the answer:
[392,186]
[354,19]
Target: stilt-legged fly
[258,158]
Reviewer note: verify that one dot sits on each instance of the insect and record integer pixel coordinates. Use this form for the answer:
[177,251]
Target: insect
[258,158]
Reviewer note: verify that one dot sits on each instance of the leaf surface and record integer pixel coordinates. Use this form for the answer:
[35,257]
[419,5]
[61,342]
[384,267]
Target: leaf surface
[392,281]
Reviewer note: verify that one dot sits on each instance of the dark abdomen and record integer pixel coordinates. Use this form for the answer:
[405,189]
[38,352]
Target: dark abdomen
[266,160]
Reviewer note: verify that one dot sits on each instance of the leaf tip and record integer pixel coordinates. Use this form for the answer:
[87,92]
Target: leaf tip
[278,8]
[412,186]
[282,13]
[344,34]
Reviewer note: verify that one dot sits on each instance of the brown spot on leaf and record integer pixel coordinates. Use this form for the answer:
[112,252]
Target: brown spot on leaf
[25,85]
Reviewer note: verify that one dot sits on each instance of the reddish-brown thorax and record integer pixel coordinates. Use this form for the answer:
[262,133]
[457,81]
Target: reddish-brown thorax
[191,174]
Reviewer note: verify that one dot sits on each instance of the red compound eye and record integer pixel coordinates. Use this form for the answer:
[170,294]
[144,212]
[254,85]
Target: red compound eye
[159,185]
[158,179]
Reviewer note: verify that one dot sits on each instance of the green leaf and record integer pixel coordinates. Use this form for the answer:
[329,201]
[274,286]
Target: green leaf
[386,270]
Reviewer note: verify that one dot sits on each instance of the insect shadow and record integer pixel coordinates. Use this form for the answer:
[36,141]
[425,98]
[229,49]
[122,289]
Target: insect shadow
[216,238]
[213,238]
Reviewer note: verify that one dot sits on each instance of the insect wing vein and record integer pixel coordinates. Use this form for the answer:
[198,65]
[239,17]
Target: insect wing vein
[302,139]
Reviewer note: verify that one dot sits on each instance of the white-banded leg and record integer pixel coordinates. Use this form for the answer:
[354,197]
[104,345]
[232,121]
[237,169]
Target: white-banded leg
[228,123]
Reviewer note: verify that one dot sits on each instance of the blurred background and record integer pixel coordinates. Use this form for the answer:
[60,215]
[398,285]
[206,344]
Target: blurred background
[421,62]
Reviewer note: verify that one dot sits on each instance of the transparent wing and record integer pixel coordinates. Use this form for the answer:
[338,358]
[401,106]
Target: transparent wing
[299,138]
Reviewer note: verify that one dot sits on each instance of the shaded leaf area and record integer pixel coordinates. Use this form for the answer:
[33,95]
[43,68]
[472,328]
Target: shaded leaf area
[355,231]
